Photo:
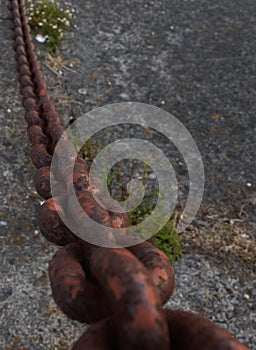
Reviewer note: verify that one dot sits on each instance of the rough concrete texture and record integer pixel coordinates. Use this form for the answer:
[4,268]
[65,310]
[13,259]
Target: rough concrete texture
[196,59]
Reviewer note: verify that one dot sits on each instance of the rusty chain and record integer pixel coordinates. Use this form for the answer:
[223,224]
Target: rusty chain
[120,291]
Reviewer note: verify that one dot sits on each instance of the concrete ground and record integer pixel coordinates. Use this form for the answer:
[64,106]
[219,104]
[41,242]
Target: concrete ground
[195,59]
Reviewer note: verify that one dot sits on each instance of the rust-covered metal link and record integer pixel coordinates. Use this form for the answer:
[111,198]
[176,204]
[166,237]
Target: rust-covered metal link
[159,267]
[78,297]
[120,286]
[120,291]
[51,225]
[99,336]
[189,331]
[136,307]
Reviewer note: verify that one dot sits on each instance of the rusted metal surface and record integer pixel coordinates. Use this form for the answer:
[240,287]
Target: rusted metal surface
[100,336]
[159,267]
[123,290]
[189,331]
[133,298]
[51,225]
[42,182]
[77,296]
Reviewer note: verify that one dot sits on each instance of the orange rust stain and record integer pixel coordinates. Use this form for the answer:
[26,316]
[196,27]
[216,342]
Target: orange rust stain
[97,97]
[116,222]
[74,292]
[125,253]
[144,318]
[75,287]
[158,275]
[42,92]
[150,295]
[22,258]
[51,205]
[95,75]
[86,203]
[115,286]
[215,116]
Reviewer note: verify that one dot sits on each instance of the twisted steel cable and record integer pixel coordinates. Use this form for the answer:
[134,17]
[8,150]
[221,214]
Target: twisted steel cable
[120,291]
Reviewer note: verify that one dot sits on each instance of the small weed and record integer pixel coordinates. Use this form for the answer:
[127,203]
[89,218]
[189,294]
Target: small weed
[57,64]
[49,19]
[139,214]
[89,150]
[167,238]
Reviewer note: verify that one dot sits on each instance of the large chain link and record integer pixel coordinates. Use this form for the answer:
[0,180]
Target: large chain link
[121,291]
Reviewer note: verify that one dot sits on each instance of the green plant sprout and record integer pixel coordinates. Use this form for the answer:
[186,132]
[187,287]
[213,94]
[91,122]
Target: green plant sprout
[167,238]
[49,20]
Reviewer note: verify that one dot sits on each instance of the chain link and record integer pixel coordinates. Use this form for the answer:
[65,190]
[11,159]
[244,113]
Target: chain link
[120,291]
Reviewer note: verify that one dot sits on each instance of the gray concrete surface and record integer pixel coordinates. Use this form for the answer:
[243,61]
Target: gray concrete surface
[196,59]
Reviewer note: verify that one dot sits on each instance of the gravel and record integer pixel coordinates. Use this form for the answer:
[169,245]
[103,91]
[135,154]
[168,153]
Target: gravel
[195,59]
